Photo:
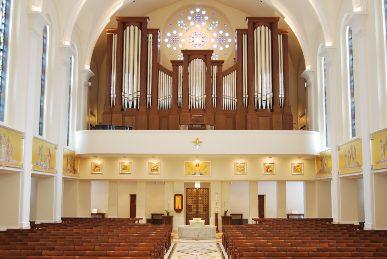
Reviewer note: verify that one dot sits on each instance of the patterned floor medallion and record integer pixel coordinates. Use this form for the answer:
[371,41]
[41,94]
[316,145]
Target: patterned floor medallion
[194,250]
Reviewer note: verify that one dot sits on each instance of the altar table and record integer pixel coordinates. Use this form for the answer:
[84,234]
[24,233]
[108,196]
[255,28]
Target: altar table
[197,232]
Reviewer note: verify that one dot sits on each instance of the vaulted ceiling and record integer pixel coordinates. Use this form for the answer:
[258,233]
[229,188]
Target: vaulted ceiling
[312,21]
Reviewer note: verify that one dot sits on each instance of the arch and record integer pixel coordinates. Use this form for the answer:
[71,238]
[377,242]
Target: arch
[328,37]
[68,30]
[294,25]
[114,7]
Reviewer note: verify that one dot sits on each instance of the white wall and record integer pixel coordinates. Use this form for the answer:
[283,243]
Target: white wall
[360,199]
[239,198]
[295,197]
[154,201]
[380,184]
[100,195]
[34,189]
[180,142]
[324,205]
[269,189]
[70,198]
[9,200]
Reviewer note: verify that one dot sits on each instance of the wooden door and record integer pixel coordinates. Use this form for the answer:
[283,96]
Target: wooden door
[197,204]
[133,205]
[261,206]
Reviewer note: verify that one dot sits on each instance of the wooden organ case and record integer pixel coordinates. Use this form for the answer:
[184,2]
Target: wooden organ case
[252,94]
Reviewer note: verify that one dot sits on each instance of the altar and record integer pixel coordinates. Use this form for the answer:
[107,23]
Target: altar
[197,230]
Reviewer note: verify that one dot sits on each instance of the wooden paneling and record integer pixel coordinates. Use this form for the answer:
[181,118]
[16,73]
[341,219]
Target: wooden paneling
[198,204]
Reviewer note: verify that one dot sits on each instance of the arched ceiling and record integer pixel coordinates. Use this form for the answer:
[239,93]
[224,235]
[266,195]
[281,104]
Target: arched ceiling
[312,21]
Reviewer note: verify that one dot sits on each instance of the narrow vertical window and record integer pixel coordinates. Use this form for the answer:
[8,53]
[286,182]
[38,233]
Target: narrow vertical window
[351,83]
[69,99]
[385,20]
[5,14]
[325,100]
[43,82]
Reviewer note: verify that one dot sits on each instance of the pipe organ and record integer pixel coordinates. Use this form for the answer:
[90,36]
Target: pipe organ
[197,92]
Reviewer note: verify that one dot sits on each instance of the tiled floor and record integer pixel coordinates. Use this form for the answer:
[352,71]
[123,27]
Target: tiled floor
[196,250]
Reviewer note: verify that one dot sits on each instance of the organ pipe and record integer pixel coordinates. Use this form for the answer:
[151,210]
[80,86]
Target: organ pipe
[165,91]
[150,70]
[196,82]
[244,69]
[214,82]
[180,86]
[263,87]
[230,91]
[281,71]
[113,72]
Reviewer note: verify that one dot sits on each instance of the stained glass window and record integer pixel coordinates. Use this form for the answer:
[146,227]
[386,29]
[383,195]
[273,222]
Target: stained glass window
[5,9]
[351,83]
[43,82]
[325,100]
[69,108]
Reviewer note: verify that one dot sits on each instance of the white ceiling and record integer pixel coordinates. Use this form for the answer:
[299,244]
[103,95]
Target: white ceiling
[312,21]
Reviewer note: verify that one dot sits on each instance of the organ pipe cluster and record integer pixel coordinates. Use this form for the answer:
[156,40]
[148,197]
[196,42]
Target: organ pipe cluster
[197,84]
[262,63]
[229,91]
[263,68]
[165,91]
[131,68]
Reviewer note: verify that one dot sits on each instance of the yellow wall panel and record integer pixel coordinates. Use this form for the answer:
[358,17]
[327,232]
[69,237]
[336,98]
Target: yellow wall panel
[43,156]
[350,157]
[379,149]
[11,148]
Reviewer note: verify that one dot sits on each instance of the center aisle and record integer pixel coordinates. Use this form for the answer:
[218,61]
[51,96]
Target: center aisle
[196,249]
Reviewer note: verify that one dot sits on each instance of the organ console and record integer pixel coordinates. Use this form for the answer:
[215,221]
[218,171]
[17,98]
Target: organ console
[251,94]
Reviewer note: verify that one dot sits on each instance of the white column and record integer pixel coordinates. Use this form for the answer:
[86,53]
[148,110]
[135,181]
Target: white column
[363,103]
[83,90]
[312,116]
[334,118]
[36,22]
[281,199]
[60,110]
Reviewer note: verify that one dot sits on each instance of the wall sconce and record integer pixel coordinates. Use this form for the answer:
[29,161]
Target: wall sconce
[197,143]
